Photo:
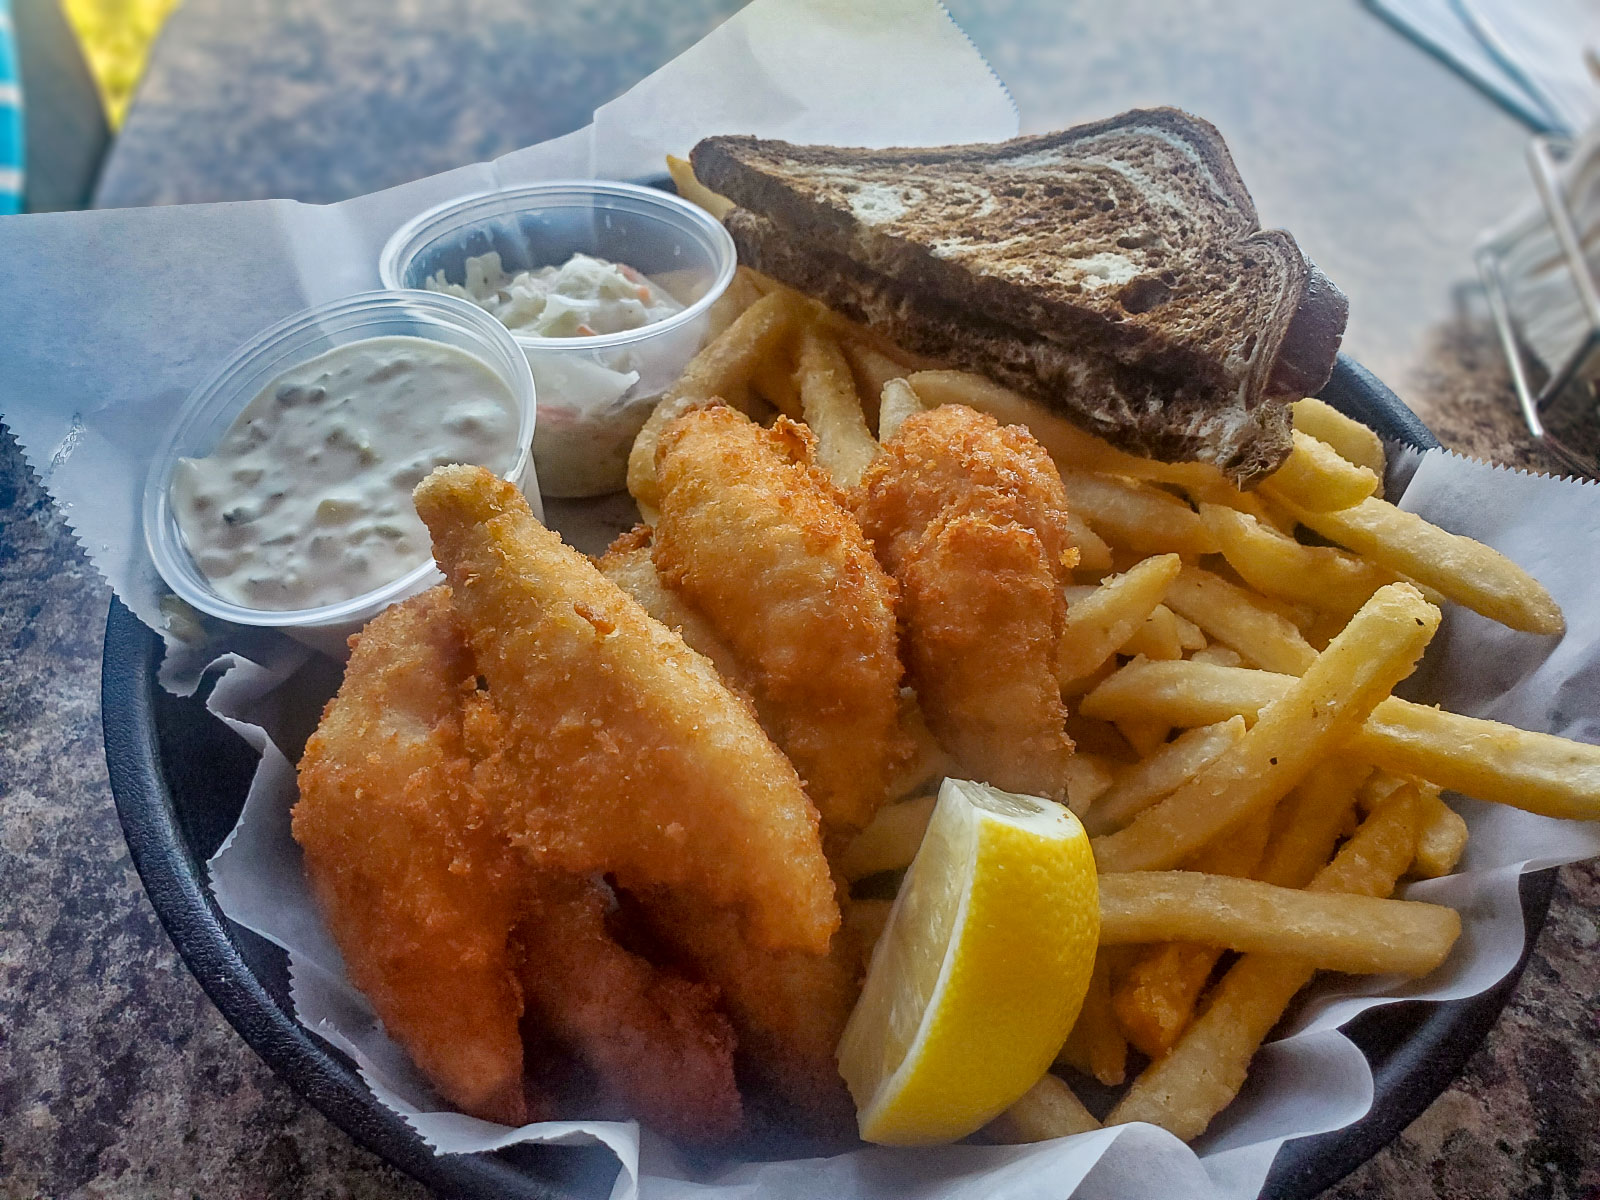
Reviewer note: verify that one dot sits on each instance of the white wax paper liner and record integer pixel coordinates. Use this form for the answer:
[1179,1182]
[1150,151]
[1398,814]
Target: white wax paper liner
[1310,1081]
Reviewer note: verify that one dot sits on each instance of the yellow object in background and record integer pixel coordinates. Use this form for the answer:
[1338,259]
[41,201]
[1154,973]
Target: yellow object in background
[116,37]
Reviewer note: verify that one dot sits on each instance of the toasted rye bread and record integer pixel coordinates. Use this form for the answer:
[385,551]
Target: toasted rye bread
[1116,270]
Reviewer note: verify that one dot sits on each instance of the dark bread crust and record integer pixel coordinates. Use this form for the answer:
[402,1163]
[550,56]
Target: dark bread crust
[1131,240]
[1310,345]
[1173,418]
[1153,243]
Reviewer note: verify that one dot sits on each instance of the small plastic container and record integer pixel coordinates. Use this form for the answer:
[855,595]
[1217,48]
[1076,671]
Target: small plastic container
[212,408]
[590,404]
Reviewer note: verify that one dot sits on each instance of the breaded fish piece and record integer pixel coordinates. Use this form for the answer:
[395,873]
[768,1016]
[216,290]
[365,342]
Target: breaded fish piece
[971,518]
[622,750]
[660,1049]
[759,541]
[788,1008]
[954,461]
[419,891]
[628,564]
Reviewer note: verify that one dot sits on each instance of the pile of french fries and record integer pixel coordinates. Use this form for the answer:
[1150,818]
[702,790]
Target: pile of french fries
[1254,792]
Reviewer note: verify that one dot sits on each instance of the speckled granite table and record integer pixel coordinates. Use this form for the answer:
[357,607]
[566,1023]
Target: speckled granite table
[118,1078]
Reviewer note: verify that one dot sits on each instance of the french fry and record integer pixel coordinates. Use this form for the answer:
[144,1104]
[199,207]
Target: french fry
[1088,683]
[1355,934]
[1379,786]
[832,409]
[1188,693]
[1459,568]
[1237,850]
[723,367]
[1093,553]
[774,380]
[1315,477]
[1104,619]
[1069,445]
[1308,823]
[1160,774]
[1441,836]
[1221,656]
[1157,637]
[1155,998]
[1375,858]
[1186,1088]
[1089,776]
[897,400]
[1276,565]
[1096,1046]
[692,190]
[890,840]
[1145,520]
[1250,504]
[1318,713]
[873,369]
[1146,737]
[1047,1110]
[1353,440]
[1234,617]
[725,309]
[1486,760]
[721,370]
[1190,636]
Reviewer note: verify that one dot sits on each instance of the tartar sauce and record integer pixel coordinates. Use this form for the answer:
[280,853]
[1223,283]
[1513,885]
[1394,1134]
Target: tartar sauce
[306,501]
[582,297]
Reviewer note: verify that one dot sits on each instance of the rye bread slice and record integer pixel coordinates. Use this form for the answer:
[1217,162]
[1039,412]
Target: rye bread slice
[1132,240]
[1169,418]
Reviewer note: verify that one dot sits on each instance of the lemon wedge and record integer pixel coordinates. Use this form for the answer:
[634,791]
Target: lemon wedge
[980,972]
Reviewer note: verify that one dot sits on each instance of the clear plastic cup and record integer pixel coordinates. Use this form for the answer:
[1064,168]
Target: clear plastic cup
[212,408]
[594,392]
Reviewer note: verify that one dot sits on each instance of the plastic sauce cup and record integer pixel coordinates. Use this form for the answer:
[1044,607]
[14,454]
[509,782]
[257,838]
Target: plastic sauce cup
[594,392]
[211,409]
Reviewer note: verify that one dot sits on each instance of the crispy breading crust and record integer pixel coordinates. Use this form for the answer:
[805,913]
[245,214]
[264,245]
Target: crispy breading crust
[789,1008]
[419,891]
[971,518]
[758,540]
[660,1048]
[623,751]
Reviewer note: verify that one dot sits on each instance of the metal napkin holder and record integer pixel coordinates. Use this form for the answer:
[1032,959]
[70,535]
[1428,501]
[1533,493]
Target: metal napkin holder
[1545,155]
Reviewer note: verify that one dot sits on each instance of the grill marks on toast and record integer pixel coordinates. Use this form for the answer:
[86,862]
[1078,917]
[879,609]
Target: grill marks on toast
[1128,247]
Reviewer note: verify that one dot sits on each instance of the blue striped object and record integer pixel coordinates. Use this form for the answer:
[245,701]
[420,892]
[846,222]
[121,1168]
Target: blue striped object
[10,117]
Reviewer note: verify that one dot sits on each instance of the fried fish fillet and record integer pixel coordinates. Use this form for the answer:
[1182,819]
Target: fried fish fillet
[420,892]
[628,564]
[758,540]
[622,750]
[659,1047]
[788,1008]
[971,518]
